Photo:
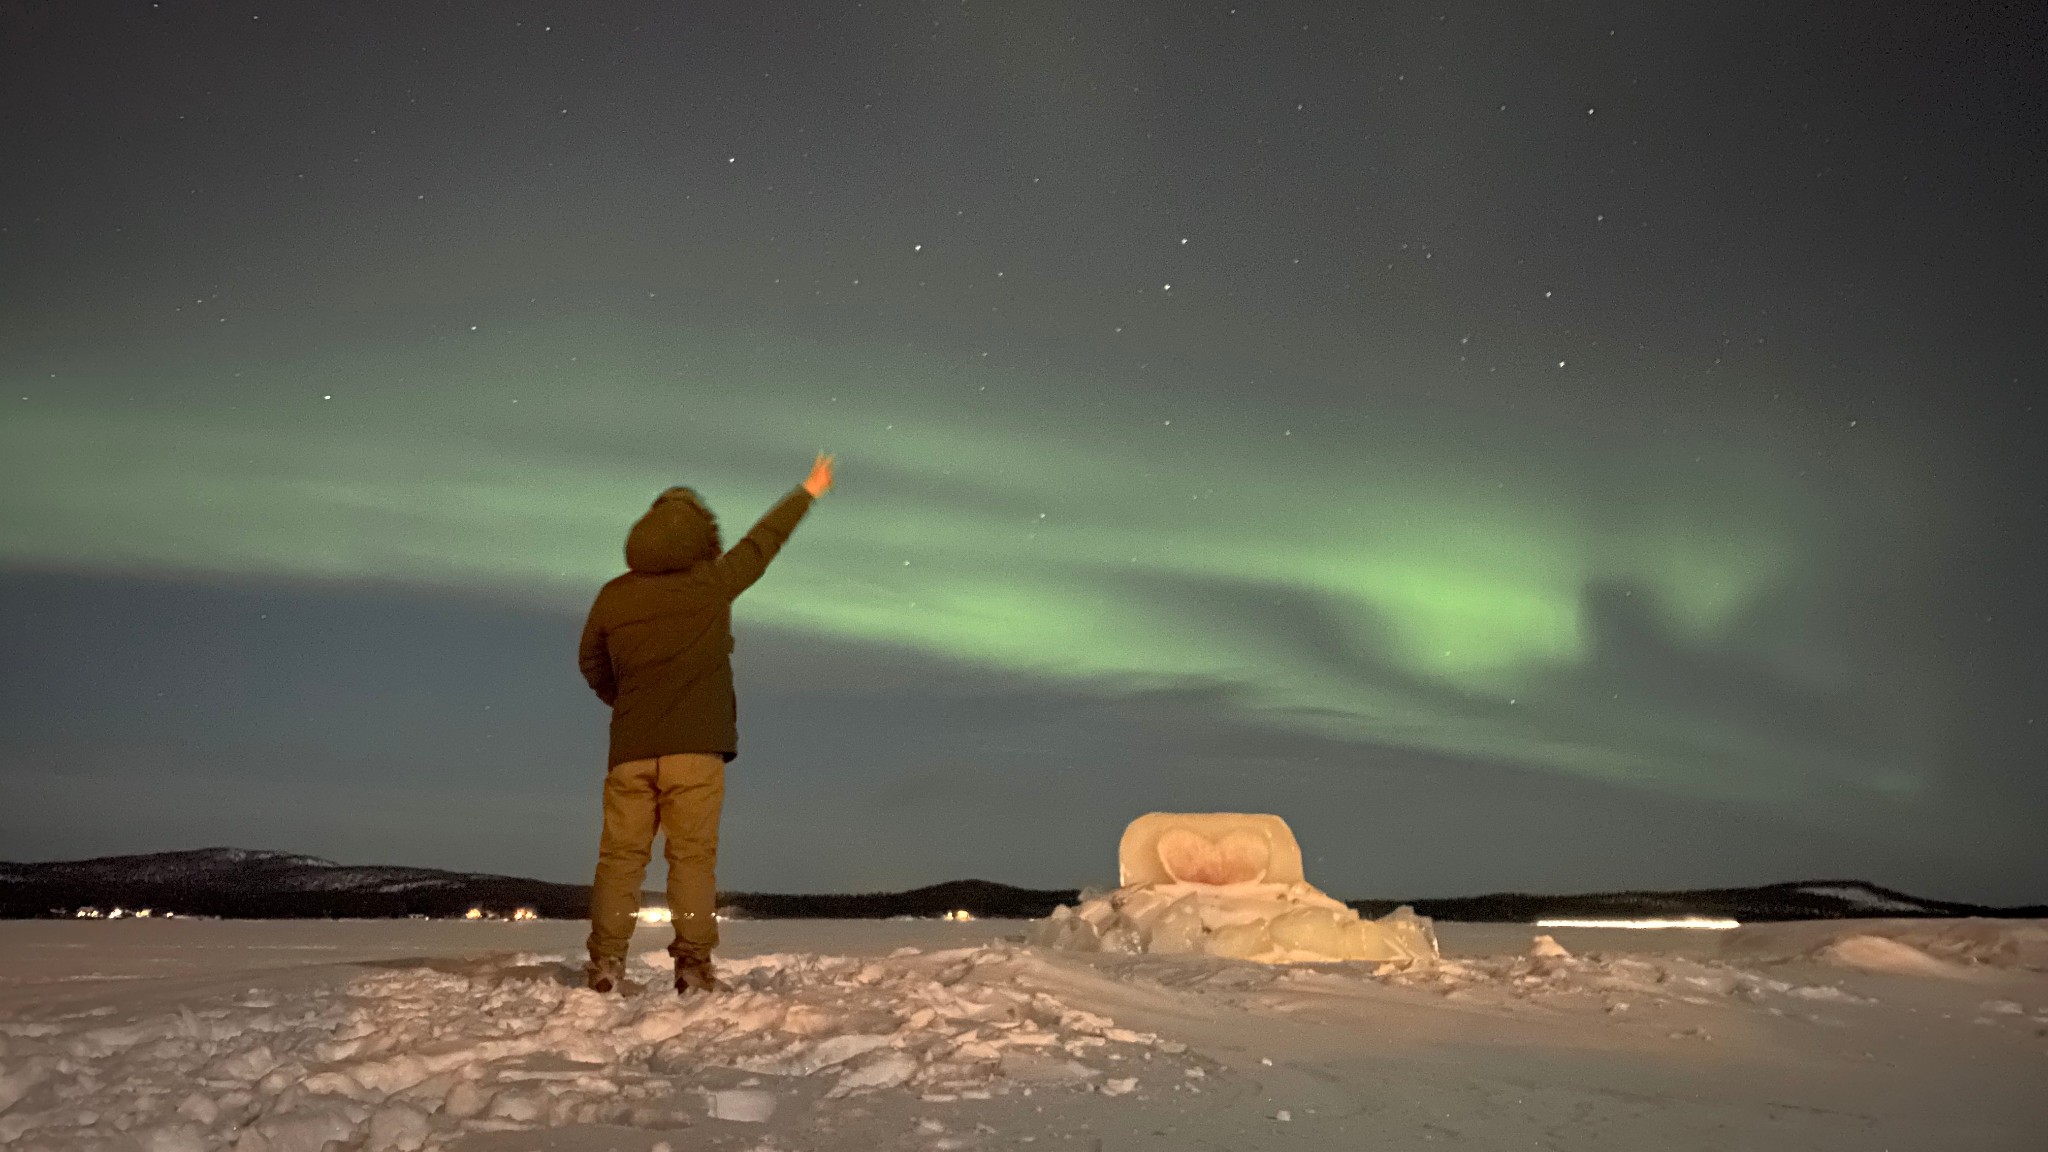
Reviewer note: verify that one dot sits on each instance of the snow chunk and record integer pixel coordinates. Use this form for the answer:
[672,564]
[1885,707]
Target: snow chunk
[885,1071]
[199,1107]
[1032,1068]
[248,1066]
[174,1138]
[748,1105]
[297,1132]
[800,1059]
[1825,992]
[518,1106]
[397,1127]
[333,1084]
[21,1081]
[465,1099]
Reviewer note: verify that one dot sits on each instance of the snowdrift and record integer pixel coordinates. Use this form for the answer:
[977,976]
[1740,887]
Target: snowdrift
[1956,948]
[1227,884]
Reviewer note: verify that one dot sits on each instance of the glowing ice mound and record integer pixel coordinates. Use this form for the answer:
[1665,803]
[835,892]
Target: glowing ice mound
[1227,884]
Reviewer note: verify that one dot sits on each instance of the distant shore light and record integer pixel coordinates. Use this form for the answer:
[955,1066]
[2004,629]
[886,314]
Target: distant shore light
[959,914]
[525,914]
[1719,925]
[656,916]
[473,914]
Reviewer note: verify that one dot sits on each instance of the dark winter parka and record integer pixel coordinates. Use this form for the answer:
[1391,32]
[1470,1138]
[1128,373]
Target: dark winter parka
[657,646]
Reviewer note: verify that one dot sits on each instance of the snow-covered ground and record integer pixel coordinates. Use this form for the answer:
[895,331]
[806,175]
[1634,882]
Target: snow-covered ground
[173,1036]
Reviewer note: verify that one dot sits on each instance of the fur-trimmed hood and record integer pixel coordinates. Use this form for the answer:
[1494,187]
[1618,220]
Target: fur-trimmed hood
[674,535]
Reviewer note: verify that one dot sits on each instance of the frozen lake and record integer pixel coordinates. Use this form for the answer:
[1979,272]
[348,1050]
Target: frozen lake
[270,1036]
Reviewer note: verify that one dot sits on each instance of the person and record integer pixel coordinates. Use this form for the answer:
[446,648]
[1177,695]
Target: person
[657,648]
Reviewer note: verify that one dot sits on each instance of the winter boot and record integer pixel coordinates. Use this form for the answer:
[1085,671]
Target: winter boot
[605,974]
[694,974]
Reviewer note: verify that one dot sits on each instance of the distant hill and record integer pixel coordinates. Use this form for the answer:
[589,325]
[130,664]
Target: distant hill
[238,883]
[242,884]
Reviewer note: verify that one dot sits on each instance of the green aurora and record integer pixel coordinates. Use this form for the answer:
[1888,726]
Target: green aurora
[1412,574]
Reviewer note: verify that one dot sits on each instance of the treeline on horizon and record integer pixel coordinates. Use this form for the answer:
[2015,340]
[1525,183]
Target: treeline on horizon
[501,897]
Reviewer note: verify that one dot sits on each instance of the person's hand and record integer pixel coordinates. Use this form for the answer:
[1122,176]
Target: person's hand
[820,480]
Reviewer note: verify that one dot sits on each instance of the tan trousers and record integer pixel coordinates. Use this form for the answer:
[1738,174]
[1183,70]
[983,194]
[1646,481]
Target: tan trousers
[680,795]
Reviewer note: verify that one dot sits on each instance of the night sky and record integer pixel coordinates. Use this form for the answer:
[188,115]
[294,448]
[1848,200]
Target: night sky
[1539,446]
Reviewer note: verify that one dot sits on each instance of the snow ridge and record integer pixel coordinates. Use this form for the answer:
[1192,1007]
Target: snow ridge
[414,1058]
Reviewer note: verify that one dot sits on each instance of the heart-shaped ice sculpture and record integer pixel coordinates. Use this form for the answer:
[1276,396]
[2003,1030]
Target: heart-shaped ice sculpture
[1208,848]
[1235,857]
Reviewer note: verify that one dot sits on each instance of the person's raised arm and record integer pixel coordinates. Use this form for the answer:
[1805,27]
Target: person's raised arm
[744,562]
